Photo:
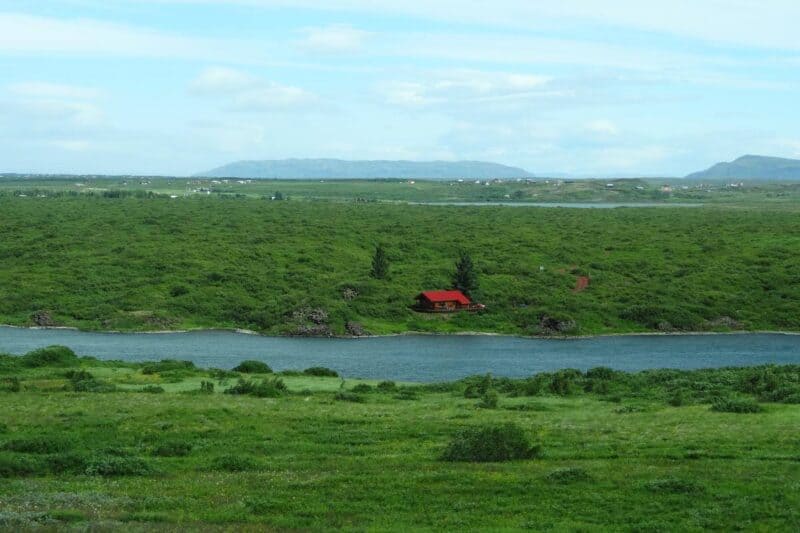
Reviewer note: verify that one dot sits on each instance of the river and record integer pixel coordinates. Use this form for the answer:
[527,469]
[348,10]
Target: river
[421,357]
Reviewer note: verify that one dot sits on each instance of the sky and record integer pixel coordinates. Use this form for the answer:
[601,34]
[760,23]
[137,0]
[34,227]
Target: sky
[587,88]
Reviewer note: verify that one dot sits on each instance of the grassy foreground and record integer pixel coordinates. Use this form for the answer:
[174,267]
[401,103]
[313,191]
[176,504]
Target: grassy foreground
[295,266]
[85,443]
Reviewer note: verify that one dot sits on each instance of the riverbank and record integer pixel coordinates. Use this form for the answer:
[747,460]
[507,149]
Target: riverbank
[87,444]
[415,333]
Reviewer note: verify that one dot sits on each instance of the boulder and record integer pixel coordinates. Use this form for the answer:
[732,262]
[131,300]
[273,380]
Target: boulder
[43,319]
[355,329]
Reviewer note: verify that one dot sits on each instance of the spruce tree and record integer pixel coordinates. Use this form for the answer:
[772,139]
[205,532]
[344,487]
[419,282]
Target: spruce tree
[465,278]
[380,263]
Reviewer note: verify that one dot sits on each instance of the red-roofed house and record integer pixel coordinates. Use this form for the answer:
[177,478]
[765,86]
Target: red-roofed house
[445,302]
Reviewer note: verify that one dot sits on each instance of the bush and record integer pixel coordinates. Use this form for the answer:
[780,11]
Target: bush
[178,290]
[362,388]
[321,371]
[253,367]
[406,394]
[272,388]
[677,399]
[50,356]
[89,384]
[233,463]
[386,386]
[118,466]
[346,396]
[19,466]
[477,386]
[41,444]
[152,389]
[568,475]
[736,405]
[173,449]
[489,400]
[66,463]
[563,382]
[12,384]
[167,365]
[490,443]
[206,387]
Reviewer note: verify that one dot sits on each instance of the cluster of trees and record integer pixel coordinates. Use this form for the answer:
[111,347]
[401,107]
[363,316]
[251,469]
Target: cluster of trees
[465,276]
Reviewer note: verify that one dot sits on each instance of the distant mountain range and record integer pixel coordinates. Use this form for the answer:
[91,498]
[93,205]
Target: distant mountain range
[337,168]
[752,167]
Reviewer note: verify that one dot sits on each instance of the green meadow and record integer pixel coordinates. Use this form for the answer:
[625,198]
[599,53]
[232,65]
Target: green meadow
[146,261]
[86,444]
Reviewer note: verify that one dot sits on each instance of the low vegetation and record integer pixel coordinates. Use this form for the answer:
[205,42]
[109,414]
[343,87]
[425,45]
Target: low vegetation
[307,452]
[309,268]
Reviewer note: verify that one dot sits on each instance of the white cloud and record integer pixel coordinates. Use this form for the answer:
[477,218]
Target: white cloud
[241,91]
[602,127]
[463,86]
[53,90]
[49,103]
[755,23]
[333,39]
[222,80]
[71,145]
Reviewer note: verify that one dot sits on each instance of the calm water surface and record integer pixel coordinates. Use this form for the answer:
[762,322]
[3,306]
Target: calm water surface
[423,357]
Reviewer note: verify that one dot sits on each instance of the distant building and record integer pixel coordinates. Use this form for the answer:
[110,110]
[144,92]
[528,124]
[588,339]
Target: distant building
[445,302]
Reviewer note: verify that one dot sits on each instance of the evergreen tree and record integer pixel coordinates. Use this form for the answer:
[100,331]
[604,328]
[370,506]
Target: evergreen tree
[465,278]
[380,264]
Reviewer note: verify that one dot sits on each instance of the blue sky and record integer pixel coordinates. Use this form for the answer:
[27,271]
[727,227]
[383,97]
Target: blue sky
[619,87]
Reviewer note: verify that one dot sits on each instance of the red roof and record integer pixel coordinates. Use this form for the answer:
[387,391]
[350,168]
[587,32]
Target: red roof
[446,296]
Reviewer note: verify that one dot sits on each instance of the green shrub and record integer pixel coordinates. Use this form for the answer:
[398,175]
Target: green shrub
[9,363]
[167,365]
[489,400]
[66,463]
[12,384]
[12,466]
[92,385]
[491,443]
[234,463]
[270,388]
[346,396]
[41,444]
[406,393]
[78,375]
[362,388]
[563,382]
[736,405]
[110,466]
[568,475]
[321,371]
[152,389]
[50,356]
[677,399]
[173,449]
[178,290]
[206,387]
[253,367]
[477,386]
[386,386]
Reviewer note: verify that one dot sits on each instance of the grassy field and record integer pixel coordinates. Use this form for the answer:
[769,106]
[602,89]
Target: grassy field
[771,194]
[150,263]
[84,444]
